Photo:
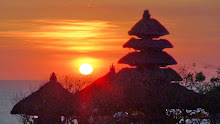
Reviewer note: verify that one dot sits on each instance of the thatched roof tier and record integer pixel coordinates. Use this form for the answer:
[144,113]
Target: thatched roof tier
[145,58]
[153,88]
[165,74]
[141,44]
[153,95]
[51,99]
[212,100]
[148,28]
[180,97]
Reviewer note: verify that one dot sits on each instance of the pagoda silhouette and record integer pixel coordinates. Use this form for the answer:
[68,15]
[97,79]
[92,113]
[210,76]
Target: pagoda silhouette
[148,82]
[149,54]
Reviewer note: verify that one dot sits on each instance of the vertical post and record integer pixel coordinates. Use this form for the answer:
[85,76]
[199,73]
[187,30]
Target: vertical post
[184,116]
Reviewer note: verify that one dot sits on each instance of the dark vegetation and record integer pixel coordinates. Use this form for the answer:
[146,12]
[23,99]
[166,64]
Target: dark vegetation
[197,82]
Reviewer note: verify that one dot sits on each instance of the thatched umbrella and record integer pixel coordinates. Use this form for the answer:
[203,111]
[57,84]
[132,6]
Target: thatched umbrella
[49,103]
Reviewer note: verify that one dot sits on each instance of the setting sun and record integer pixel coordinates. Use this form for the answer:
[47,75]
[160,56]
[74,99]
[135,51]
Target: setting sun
[85,69]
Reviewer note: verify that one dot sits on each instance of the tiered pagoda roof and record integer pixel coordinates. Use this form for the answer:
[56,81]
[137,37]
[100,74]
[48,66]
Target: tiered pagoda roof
[149,54]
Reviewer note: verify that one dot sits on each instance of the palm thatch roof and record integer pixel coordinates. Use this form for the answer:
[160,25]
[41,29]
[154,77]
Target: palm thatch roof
[102,94]
[212,100]
[144,58]
[130,90]
[108,92]
[163,74]
[148,28]
[180,97]
[155,90]
[141,44]
[51,99]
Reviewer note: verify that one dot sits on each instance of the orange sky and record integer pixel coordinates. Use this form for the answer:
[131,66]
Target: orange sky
[38,37]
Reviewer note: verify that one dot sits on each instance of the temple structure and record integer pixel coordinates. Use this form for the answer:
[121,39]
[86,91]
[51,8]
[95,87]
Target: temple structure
[146,86]
[49,103]
[154,91]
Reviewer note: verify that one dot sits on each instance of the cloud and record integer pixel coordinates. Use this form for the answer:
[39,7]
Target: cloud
[61,36]
[91,4]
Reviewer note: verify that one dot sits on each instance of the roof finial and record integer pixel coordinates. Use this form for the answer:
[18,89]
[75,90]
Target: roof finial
[53,77]
[112,68]
[146,14]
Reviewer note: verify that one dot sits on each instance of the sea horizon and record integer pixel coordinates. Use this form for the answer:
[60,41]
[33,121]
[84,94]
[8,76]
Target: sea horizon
[8,90]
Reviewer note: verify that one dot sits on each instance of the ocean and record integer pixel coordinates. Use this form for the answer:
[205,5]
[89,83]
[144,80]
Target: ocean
[8,91]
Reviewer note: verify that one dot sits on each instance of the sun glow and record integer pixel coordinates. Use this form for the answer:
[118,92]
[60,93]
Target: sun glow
[85,69]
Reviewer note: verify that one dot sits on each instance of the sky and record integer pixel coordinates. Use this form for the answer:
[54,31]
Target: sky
[38,37]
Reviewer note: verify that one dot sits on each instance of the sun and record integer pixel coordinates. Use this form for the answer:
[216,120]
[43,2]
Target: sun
[85,69]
